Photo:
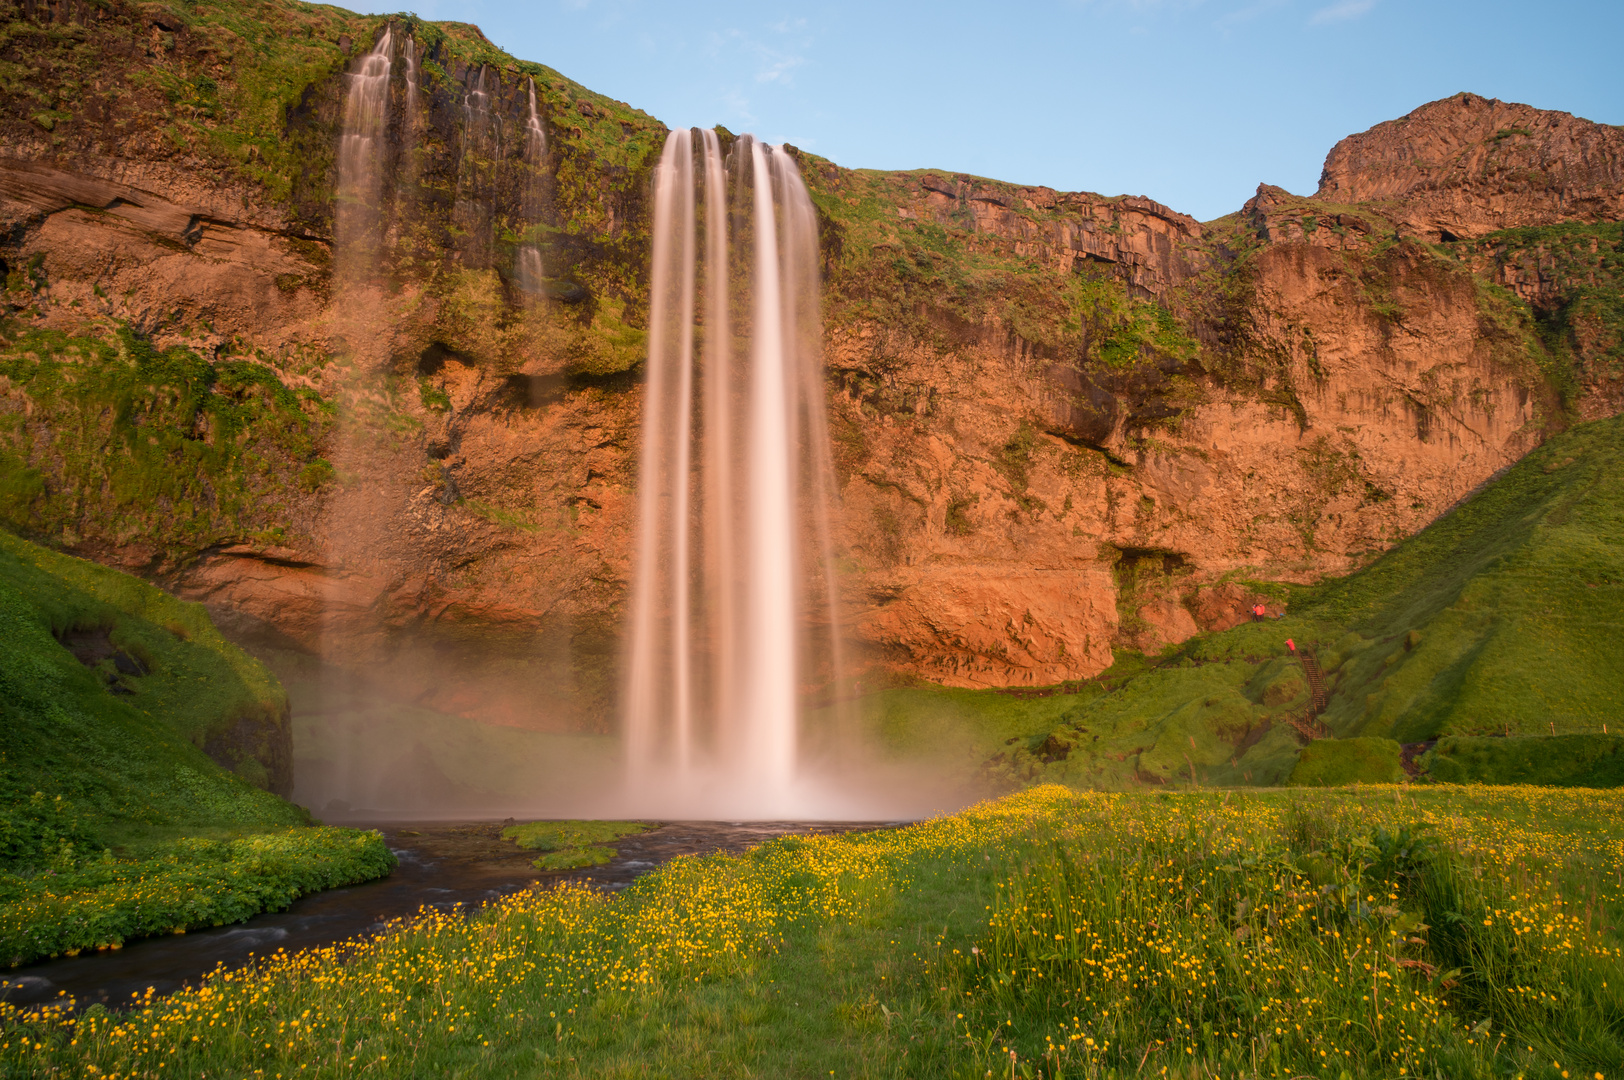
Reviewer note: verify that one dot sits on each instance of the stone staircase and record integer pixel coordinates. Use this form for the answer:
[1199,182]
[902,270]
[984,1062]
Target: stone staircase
[1316,683]
[1311,727]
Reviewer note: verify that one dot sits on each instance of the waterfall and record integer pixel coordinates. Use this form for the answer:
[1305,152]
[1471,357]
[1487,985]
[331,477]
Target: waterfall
[476,108]
[410,55]
[732,546]
[535,139]
[527,262]
[358,216]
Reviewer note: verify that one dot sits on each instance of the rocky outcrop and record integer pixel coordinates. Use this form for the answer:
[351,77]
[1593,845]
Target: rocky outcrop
[1466,165]
[1064,423]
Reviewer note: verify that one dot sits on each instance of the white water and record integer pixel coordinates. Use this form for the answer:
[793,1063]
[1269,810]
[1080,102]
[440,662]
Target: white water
[528,269]
[732,536]
[480,124]
[357,215]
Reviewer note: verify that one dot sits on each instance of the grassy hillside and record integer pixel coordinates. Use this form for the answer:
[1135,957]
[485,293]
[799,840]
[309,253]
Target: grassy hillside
[153,686]
[1502,618]
[136,746]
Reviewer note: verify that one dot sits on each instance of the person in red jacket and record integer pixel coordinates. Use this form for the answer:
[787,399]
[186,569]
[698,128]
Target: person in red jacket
[1258,612]
[1292,645]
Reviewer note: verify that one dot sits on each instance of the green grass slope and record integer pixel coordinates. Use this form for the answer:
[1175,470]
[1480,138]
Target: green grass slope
[128,745]
[1503,617]
[114,821]
[1549,761]
[1216,713]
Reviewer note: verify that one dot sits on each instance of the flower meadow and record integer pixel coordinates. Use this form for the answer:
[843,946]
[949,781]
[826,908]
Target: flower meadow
[1383,931]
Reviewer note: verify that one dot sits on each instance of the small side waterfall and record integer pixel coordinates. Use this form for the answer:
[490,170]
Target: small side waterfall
[732,547]
[409,54]
[528,268]
[478,120]
[358,216]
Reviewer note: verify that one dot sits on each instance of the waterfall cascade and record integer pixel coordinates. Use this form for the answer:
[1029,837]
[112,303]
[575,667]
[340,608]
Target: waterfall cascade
[733,537]
[734,562]
[527,261]
[358,216]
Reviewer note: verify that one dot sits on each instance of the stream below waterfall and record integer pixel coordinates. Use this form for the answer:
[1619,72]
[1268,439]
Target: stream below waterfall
[442,865]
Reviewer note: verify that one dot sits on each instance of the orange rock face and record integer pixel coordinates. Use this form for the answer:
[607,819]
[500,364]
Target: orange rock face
[1025,484]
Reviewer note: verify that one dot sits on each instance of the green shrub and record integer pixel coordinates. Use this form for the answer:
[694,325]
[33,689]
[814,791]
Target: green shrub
[1335,762]
[1557,760]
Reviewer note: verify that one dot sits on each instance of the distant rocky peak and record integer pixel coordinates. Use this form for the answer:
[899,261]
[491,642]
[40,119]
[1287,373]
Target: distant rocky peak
[1468,165]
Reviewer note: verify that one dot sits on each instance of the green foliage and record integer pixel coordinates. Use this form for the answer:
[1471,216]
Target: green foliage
[1335,762]
[1224,940]
[128,444]
[434,399]
[1513,599]
[1589,760]
[558,835]
[574,858]
[197,682]
[187,883]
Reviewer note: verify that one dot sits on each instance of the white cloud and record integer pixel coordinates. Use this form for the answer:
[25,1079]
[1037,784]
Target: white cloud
[1247,12]
[771,65]
[776,67]
[1341,11]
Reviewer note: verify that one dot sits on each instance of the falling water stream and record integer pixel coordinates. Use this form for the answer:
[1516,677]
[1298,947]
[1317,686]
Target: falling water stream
[357,214]
[733,504]
[528,268]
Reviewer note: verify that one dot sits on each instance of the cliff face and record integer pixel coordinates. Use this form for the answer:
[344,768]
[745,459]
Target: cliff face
[1466,166]
[1064,423]
[1277,407]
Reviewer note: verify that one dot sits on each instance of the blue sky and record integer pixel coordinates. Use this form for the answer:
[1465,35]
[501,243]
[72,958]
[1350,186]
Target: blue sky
[1191,102]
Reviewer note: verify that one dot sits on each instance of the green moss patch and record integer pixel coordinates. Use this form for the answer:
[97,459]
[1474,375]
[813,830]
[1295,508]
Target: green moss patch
[1335,762]
[572,844]
[120,444]
[574,858]
[558,835]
